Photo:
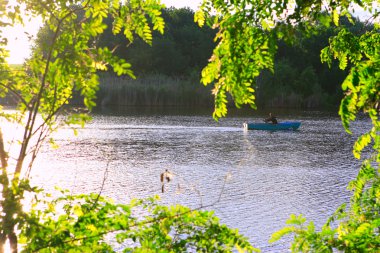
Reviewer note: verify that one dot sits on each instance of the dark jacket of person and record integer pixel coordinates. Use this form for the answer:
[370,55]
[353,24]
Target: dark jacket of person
[271,119]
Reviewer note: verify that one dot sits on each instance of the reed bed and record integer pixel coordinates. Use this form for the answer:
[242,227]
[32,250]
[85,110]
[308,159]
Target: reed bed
[152,90]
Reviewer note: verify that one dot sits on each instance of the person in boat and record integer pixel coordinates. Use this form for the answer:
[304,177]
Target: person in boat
[272,119]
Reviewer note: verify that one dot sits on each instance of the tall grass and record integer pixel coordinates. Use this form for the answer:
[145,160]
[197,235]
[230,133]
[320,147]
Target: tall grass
[153,90]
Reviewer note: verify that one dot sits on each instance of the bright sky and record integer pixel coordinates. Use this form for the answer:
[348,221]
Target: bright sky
[193,4]
[18,42]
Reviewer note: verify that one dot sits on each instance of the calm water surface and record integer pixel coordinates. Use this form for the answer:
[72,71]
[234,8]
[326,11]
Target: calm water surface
[266,175]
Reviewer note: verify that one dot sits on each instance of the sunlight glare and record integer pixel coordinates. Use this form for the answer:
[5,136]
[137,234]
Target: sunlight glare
[20,39]
[7,248]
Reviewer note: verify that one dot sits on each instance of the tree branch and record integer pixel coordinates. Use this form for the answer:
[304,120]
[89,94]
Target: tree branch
[16,94]
[3,154]
[28,133]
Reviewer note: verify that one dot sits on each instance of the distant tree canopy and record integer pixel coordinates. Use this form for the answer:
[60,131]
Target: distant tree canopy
[182,49]
[299,78]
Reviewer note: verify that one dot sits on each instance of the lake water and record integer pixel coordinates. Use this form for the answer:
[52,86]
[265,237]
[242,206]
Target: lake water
[255,179]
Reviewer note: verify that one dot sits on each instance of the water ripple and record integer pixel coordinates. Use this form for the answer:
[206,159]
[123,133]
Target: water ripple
[270,174]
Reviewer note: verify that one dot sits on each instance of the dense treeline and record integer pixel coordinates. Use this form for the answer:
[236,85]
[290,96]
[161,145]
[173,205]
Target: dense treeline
[183,49]
[177,57]
[299,78]
[168,71]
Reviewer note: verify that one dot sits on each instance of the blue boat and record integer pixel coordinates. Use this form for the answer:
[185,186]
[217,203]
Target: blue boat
[286,125]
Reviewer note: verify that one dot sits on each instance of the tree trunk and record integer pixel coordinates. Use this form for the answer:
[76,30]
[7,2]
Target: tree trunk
[13,241]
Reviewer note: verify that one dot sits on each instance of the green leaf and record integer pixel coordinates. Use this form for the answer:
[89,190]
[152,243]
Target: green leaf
[363,229]
[362,142]
[199,18]
[296,220]
[335,15]
[279,234]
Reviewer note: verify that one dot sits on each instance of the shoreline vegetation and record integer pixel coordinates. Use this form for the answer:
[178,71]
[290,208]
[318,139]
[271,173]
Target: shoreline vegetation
[153,90]
[169,70]
[159,90]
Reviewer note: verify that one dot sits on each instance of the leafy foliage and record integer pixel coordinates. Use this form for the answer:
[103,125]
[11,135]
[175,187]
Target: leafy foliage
[248,32]
[247,37]
[184,49]
[68,61]
[362,88]
[88,223]
[232,66]
[357,228]
[179,49]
